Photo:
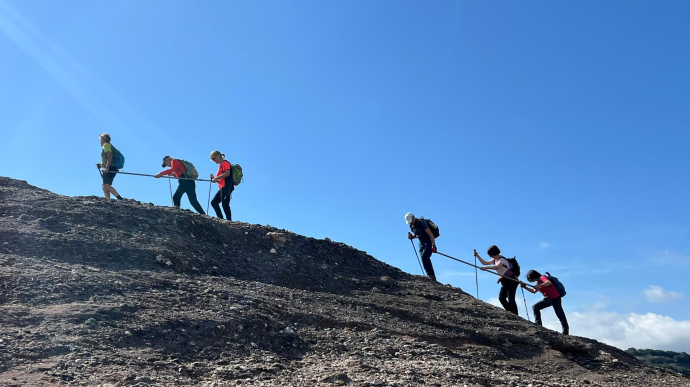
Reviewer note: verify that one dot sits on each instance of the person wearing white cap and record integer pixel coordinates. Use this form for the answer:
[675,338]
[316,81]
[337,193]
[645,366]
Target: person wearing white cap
[427,242]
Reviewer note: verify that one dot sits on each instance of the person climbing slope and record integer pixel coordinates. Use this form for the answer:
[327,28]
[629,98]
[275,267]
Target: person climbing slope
[508,287]
[225,185]
[427,242]
[552,297]
[111,162]
[185,170]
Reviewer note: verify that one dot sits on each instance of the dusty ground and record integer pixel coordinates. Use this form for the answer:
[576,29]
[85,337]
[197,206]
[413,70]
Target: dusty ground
[94,293]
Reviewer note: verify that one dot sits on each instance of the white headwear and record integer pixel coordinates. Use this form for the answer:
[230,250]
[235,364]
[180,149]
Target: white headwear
[408,218]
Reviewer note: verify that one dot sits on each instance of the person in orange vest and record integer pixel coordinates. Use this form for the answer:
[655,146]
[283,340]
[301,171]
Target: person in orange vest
[186,185]
[225,185]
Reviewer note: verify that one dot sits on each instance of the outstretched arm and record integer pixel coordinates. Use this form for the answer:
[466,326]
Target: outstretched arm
[524,286]
[476,254]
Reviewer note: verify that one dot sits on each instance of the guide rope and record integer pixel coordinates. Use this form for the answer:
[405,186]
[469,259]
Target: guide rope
[488,271]
[163,177]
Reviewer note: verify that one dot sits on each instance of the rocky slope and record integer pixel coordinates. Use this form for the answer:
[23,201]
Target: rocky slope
[122,293]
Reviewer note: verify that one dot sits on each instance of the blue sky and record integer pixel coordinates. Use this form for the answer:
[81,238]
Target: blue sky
[556,130]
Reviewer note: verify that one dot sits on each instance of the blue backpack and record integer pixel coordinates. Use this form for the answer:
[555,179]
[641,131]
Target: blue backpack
[558,284]
[118,159]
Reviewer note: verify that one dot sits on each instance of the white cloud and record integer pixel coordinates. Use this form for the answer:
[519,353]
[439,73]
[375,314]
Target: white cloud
[448,273]
[544,245]
[626,330]
[668,257]
[495,302]
[658,294]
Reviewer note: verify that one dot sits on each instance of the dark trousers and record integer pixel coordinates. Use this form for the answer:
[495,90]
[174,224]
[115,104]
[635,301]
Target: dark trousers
[557,307]
[187,187]
[425,252]
[110,175]
[223,196]
[507,295]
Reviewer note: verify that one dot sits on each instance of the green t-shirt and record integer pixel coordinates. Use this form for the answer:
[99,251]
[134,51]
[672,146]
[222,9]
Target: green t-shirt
[104,156]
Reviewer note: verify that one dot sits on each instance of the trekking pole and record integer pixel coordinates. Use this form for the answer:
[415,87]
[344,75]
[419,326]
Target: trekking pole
[417,255]
[99,171]
[171,196]
[476,277]
[524,299]
[488,271]
[209,195]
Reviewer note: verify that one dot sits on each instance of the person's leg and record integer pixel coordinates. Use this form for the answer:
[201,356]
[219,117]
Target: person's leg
[503,296]
[108,183]
[215,203]
[106,191]
[227,193]
[536,308]
[512,289]
[425,252]
[181,189]
[558,308]
[191,195]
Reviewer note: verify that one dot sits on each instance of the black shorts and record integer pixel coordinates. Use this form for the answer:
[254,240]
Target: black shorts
[108,177]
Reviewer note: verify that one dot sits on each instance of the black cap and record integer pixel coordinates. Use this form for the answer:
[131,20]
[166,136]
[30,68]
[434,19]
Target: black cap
[163,166]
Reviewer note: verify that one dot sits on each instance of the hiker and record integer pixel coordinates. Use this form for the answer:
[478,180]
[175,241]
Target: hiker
[225,185]
[111,162]
[427,243]
[186,185]
[508,287]
[552,297]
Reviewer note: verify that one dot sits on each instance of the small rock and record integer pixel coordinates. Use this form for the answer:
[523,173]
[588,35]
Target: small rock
[128,333]
[377,382]
[254,345]
[288,331]
[340,378]
[168,263]
[273,251]
[192,343]
[328,239]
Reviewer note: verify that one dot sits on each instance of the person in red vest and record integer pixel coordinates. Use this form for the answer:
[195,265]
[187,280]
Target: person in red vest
[551,298]
[186,185]
[225,185]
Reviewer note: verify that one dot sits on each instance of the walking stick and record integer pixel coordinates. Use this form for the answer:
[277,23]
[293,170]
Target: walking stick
[209,195]
[523,299]
[417,255]
[171,196]
[99,171]
[476,278]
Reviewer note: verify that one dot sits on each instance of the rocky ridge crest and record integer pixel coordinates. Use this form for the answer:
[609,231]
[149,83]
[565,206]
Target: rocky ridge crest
[122,293]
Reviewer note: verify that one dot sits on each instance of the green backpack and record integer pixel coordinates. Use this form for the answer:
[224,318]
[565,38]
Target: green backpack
[191,171]
[237,176]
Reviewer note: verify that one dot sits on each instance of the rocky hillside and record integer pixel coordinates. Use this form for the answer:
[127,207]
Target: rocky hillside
[121,293]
